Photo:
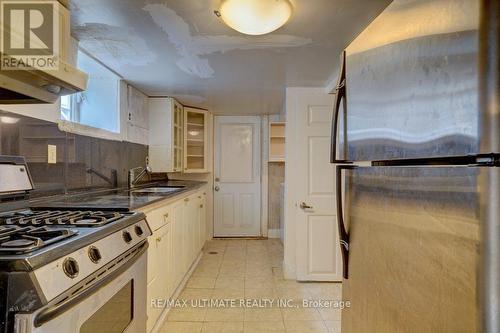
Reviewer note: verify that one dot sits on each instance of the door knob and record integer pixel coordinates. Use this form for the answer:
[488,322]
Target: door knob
[217,188]
[303,205]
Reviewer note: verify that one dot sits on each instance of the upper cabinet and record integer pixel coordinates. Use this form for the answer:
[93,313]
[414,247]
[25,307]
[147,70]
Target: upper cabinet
[196,140]
[166,134]
[38,78]
[137,114]
[137,107]
[179,137]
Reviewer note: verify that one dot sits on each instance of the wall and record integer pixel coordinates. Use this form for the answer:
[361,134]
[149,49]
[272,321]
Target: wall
[29,137]
[276,177]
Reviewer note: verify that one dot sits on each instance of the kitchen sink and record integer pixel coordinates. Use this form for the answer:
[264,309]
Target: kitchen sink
[159,190]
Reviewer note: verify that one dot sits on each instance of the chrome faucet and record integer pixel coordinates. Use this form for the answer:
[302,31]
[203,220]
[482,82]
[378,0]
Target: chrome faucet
[133,179]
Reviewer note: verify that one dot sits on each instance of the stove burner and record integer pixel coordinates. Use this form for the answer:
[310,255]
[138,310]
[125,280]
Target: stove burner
[69,218]
[16,239]
[85,221]
[19,243]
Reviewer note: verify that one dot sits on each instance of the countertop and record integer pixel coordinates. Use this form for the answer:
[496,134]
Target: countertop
[121,199]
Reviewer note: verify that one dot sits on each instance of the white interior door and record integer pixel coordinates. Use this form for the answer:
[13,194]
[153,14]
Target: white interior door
[237,177]
[318,255]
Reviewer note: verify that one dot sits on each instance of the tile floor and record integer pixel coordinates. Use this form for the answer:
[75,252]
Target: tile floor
[250,269]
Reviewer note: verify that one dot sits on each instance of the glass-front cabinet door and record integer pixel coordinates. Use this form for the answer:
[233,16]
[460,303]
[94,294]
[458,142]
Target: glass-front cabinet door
[178,136]
[195,140]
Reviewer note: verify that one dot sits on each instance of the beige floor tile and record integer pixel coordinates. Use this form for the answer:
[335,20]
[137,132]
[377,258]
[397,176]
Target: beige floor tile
[263,314]
[230,283]
[228,294]
[305,327]
[181,327]
[260,293]
[187,314]
[207,271]
[260,272]
[333,326]
[233,264]
[222,327]
[255,282]
[330,313]
[278,274]
[264,327]
[232,271]
[301,314]
[201,282]
[195,294]
[225,314]
[332,291]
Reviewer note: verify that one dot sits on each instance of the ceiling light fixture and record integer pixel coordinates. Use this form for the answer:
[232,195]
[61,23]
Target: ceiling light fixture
[255,17]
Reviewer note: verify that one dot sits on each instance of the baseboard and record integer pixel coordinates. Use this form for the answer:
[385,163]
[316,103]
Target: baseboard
[273,233]
[156,328]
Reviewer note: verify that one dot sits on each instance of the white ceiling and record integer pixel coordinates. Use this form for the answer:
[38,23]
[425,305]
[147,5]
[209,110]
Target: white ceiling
[180,48]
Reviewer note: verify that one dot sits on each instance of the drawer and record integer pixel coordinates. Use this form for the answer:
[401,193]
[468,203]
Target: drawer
[159,217]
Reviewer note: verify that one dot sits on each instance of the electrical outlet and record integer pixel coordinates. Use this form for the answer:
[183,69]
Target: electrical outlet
[52,154]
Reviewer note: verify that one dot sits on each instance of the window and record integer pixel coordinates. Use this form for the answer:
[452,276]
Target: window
[98,106]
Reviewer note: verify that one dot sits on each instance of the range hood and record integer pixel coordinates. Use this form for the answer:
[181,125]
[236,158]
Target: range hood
[38,86]
[34,85]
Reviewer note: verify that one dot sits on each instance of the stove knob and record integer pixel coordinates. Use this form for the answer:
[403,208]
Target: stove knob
[127,237]
[70,267]
[94,255]
[138,230]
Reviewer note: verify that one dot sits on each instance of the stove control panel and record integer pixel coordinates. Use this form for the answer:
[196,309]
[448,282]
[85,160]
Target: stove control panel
[73,268]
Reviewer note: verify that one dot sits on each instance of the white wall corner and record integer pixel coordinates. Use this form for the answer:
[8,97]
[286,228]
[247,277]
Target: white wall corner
[273,233]
[332,82]
[264,176]
[289,241]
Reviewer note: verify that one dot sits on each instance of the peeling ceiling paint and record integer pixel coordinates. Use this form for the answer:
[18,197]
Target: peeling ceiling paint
[120,46]
[180,48]
[190,48]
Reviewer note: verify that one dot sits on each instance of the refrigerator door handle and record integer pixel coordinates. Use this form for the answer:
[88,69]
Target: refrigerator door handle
[340,95]
[343,234]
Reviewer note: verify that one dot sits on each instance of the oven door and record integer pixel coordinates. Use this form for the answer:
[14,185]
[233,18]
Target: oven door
[115,303]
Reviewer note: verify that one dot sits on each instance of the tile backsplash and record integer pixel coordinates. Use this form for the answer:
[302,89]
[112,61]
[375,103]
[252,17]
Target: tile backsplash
[76,155]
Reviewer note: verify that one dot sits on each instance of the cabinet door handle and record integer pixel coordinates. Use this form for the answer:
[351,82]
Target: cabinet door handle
[186,200]
[158,239]
[201,206]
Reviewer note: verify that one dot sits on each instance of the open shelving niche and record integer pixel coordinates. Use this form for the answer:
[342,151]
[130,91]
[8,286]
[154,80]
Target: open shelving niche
[277,142]
[196,136]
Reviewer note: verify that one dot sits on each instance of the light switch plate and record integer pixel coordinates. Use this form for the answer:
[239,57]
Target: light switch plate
[52,154]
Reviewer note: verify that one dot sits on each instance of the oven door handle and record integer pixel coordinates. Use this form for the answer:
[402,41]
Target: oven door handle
[340,95]
[343,234]
[56,309]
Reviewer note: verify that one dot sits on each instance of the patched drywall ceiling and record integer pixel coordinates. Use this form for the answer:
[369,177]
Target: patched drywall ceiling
[180,48]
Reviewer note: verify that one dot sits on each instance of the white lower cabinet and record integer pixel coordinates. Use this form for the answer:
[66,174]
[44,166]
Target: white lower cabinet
[179,233]
[160,263]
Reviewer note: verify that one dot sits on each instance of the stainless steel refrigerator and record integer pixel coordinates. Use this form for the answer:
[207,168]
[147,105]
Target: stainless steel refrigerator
[416,141]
